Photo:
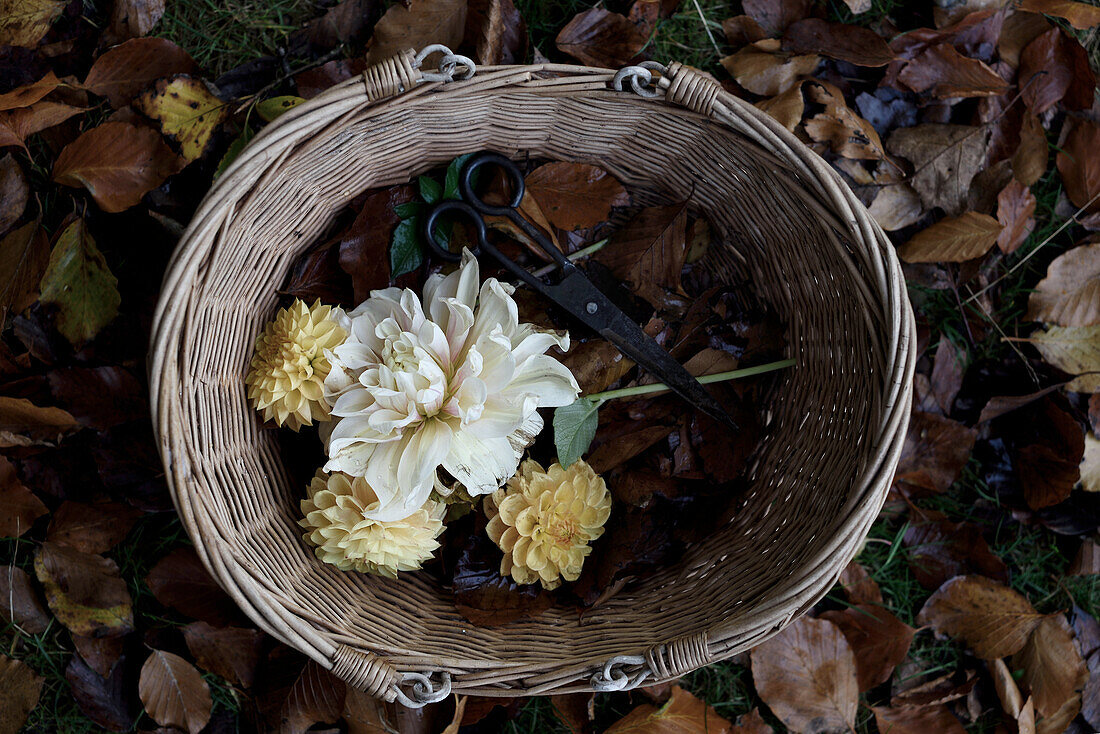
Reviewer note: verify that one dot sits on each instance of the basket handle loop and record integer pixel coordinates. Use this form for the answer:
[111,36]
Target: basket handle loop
[402,71]
[679,84]
[376,676]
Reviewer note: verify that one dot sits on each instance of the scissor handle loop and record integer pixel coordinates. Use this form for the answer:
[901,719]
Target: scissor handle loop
[515,178]
[458,207]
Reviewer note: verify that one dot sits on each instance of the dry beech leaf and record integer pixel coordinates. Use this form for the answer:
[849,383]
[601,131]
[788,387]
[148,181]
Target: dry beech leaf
[762,69]
[944,73]
[741,30]
[1053,669]
[1015,210]
[173,692]
[600,38]
[934,453]
[991,619]
[943,689]
[78,281]
[1029,162]
[19,507]
[879,641]
[26,121]
[28,94]
[122,72]
[101,654]
[134,18]
[1018,30]
[775,15]
[751,723]
[858,6]
[1055,68]
[24,22]
[948,367]
[117,162]
[497,31]
[786,108]
[106,701]
[1079,165]
[575,195]
[180,581]
[595,364]
[317,696]
[851,43]
[84,591]
[1012,701]
[1074,350]
[1090,482]
[1069,295]
[1081,16]
[953,240]
[945,160]
[807,676]
[13,192]
[231,652]
[20,688]
[649,251]
[92,528]
[940,550]
[858,586]
[187,111]
[846,133]
[683,714]
[421,23]
[998,405]
[19,602]
[22,423]
[896,207]
[365,714]
[917,720]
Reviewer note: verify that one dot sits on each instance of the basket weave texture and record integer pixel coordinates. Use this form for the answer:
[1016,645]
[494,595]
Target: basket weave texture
[834,425]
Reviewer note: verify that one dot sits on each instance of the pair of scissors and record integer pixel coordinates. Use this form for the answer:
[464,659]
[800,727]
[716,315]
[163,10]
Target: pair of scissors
[572,290]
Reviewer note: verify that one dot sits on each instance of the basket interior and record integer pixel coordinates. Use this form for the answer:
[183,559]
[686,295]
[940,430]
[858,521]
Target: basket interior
[803,485]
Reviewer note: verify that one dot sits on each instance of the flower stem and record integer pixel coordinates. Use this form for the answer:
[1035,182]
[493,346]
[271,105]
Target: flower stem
[583,252]
[628,392]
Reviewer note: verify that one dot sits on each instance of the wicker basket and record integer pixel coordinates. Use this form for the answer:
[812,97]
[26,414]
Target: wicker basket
[833,427]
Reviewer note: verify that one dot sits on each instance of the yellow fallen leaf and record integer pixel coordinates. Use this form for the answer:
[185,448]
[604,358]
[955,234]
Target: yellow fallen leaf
[1090,465]
[1074,350]
[24,22]
[187,112]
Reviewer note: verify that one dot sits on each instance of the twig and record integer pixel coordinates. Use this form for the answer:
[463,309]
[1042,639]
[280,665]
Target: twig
[706,27]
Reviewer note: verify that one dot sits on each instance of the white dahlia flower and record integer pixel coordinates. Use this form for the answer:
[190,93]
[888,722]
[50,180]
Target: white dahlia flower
[458,386]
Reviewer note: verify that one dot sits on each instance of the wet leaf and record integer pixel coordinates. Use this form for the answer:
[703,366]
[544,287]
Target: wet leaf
[19,602]
[943,72]
[879,641]
[807,676]
[575,195]
[1069,295]
[762,69]
[122,72]
[20,689]
[134,18]
[917,720]
[1081,16]
[22,423]
[19,507]
[953,240]
[896,207]
[600,38]
[91,528]
[231,652]
[851,43]
[1015,210]
[940,550]
[173,692]
[188,113]
[683,714]
[991,619]
[1055,68]
[84,591]
[78,281]
[1029,162]
[24,22]
[934,453]
[1079,165]
[1074,350]
[1053,670]
[117,163]
[106,701]
[945,160]
[421,23]
[180,581]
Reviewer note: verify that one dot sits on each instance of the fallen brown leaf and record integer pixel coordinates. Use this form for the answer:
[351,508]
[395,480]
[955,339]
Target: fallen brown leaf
[180,581]
[1081,16]
[786,108]
[917,720]
[1018,31]
[752,723]
[14,192]
[1029,161]
[22,423]
[20,689]
[858,586]
[741,30]
[19,602]
[99,397]
[365,714]
[1079,165]
[896,207]
[945,160]
[1073,349]
[575,195]
[935,692]
[576,710]
[934,453]
[991,619]
[943,72]
[106,701]
[1050,466]
[91,528]
[851,43]
[231,652]
[1053,670]
[369,234]
[683,714]
[134,18]
[879,641]
[173,692]
[948,367]
[595,364]
[775,15]
[100,653]
[846,133]
[24,22]
[28,94]
[1069,295]
[497,31]
[416,25]
[1055,68]
[1090,479]
[189,114]
[649,251]
[122,72]
[940,550]
[1015,207]
[762,69]
[807,676]
[84,591]
[117,162]
[953,240]
[316,697]
[600,38]
[19,507]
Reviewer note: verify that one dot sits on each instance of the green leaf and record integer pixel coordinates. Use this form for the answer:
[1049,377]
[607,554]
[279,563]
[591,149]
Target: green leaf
[234,149]
[406,249]
[430,190]
[409,209]
[574,429]
[269,109]
[450,187]
[79,283]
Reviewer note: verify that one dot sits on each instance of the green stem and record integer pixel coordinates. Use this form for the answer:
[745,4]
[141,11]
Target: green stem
[628,392]
[581,253]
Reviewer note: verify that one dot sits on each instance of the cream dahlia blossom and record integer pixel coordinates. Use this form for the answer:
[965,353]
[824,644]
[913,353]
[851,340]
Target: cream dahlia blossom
[337,526]
[545,519]
[455,382]
[287,374]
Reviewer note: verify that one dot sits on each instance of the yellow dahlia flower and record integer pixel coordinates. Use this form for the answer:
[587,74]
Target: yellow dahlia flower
[337,526]
[544,520]
[286,379]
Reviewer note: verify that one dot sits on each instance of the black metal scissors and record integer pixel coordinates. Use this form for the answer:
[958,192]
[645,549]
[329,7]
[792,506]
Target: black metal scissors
[573,291]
